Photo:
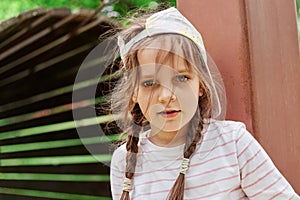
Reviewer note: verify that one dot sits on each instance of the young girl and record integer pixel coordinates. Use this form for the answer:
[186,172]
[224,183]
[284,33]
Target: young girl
[172,108]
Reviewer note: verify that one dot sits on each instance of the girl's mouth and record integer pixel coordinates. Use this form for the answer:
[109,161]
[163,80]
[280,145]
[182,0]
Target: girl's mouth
[169,113]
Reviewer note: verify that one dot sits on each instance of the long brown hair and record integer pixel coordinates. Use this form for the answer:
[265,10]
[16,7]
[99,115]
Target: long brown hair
[133,121]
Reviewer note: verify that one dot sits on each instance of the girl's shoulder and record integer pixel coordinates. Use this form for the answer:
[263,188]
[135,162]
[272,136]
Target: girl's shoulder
[119,154]
[224,128]
[120,149]
[220,136]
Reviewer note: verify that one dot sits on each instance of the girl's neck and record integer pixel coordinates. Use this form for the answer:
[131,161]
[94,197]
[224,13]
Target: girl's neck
[168,138]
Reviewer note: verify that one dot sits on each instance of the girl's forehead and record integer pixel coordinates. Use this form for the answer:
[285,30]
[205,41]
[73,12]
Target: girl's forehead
[160,57]
[155,62]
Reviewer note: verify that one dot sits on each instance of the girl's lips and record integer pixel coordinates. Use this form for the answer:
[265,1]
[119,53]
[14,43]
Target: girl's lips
[169,113]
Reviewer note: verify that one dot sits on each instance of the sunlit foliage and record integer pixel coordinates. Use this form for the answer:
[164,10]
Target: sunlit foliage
[9,8]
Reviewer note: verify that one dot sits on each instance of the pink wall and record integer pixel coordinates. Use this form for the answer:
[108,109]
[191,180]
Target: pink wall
[255,45]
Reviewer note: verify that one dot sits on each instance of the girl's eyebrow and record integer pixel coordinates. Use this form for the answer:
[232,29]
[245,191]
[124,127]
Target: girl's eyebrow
[147,73]
[152,75]
[183,71]
[147,76]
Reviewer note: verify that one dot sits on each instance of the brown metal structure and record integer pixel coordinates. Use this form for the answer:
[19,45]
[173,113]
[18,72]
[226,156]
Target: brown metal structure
[41,154]
[255,45]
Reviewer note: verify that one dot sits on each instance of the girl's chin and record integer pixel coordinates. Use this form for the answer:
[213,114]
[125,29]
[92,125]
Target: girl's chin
[167,127]
[164,128]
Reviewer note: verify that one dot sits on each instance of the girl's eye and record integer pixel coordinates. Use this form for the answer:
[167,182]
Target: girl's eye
[148,83]
[181,78]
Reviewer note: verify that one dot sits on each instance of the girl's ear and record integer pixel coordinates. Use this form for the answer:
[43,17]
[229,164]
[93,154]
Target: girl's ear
[134,96]
[200,92]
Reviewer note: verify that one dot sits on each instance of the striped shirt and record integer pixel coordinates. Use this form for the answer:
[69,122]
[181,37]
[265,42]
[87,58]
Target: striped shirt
[227,164]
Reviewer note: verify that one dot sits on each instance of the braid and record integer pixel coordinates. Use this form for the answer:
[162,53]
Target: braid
[194,135]
[192,138]
[131,158]
[132,147]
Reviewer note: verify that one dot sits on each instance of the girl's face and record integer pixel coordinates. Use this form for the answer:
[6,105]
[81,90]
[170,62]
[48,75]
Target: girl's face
[167,92]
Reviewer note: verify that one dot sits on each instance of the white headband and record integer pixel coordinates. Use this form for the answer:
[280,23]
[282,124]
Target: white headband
[166,21]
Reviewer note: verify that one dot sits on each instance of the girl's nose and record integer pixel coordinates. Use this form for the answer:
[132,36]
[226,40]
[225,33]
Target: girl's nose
[166,95]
